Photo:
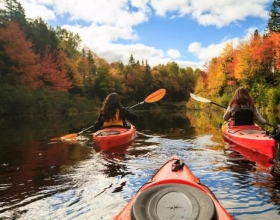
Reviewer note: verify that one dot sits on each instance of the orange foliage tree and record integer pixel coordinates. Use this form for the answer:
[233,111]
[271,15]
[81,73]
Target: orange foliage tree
[262,55]
[275,39]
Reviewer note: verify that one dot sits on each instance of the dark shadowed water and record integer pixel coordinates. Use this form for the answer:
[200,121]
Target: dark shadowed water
[44,178]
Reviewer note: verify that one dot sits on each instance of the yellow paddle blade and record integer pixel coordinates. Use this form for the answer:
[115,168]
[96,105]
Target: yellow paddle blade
[68,137]
[155,96]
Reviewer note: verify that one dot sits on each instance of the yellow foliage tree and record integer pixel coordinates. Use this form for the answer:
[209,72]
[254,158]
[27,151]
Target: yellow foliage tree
[216,77]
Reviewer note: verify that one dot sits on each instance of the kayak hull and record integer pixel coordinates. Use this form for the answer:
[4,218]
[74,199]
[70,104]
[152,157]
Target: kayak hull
[108,138]
[174,192]
[251,137]
[236,153]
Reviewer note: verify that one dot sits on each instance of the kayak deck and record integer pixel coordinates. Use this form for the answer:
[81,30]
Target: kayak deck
[250,137]
[174,192]
[110,137]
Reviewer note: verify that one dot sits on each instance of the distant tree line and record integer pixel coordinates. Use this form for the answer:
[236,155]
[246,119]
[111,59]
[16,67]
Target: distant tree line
[46,64]
[44,70]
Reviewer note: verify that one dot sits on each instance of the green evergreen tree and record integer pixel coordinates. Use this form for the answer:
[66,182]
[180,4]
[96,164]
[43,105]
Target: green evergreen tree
[43,38]
[131,61]
[15,12]
[91,63]
[274,20]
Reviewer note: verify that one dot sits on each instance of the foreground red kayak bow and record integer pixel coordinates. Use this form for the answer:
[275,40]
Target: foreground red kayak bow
[174,192]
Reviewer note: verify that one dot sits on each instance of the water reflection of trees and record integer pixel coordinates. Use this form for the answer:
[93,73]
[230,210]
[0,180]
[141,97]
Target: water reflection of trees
[163,122]
[206,122]
[17,130]
[35,165]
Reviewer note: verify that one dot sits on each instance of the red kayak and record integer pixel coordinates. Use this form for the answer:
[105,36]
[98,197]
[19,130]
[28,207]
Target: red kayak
[108,138]
[174,192]
[251,137]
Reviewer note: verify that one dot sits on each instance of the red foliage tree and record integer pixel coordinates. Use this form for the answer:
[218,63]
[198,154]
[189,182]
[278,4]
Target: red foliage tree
[262,50]
[23,60]
[49,72]
[53,72]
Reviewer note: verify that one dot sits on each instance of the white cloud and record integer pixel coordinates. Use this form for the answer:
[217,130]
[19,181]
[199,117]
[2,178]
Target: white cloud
[173,53]
[34,9]
[109,22]
[105,12]
[212,50]
[162,7]
[140,52]
[2,5]
[206,53]
[100,36]
[221,13]
[215,12]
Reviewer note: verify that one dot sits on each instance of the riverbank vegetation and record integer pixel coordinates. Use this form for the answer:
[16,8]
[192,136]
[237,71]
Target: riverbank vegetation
[45,70]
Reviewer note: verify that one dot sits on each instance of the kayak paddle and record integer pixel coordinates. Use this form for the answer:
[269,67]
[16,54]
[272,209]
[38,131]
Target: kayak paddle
[154,97]
[73,136]
[200,99]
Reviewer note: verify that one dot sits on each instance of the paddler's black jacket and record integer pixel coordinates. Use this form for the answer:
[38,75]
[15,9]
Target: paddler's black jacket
[123,115]
[231,111]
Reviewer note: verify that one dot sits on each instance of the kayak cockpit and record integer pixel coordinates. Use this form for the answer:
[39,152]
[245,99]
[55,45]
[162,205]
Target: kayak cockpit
[173,201]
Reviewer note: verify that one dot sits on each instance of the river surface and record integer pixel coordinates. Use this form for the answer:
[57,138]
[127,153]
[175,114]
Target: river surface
[42,177]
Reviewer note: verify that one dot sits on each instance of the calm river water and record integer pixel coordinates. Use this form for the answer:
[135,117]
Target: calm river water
[44,178]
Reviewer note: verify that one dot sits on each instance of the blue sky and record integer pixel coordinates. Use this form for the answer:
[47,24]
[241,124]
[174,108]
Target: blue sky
[189,32]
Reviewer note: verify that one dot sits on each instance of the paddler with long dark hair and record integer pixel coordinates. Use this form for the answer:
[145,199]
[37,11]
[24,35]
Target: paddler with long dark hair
[113,114]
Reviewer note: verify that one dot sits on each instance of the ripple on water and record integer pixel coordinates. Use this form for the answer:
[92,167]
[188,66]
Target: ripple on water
[92,195]
[100,186]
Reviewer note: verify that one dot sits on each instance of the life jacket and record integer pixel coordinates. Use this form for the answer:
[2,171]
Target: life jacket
[242,114]
[115,121]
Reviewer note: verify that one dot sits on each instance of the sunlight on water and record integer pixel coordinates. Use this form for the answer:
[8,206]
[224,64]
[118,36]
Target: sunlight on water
[57,180]
[98,187]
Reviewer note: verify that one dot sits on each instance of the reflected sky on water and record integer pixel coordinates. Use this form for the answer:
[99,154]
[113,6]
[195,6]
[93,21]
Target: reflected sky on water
[44,178]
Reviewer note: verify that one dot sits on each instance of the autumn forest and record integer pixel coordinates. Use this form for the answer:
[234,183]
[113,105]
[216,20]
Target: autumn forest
[253,64]
[44,70]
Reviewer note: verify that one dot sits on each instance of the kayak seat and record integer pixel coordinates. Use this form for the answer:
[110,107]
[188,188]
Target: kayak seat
[243,117]
[173,201]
